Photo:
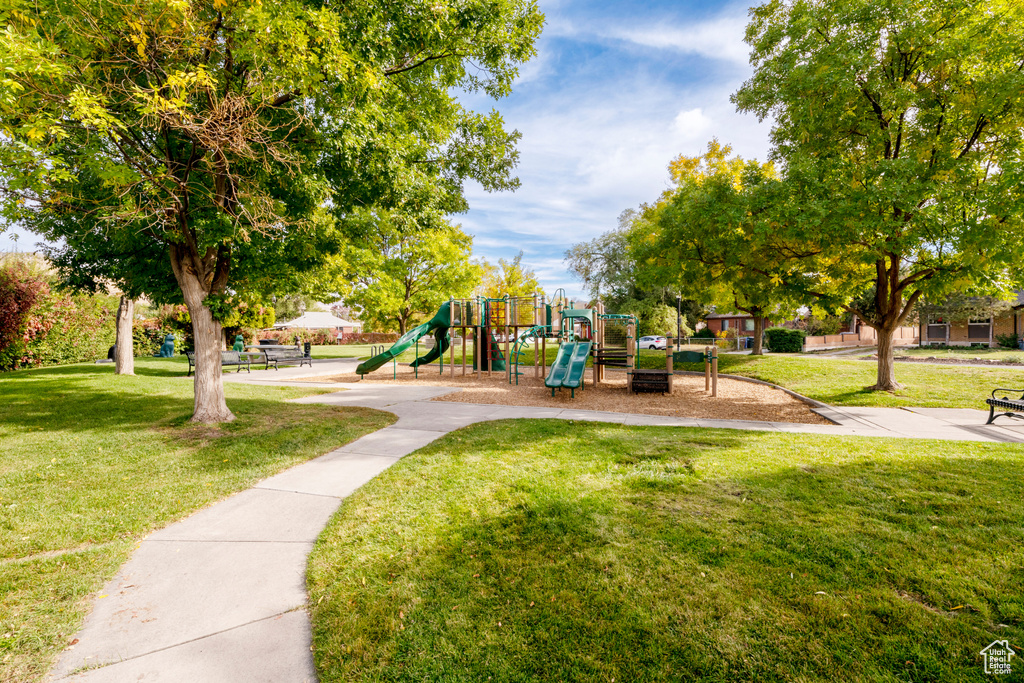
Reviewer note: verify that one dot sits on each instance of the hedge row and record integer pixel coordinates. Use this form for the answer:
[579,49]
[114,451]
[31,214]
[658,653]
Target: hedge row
[40,325]
[785,340]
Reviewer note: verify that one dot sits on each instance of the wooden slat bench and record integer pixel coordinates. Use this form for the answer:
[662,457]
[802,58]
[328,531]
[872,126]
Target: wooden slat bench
[1004,402]
[616,358]
[287,356]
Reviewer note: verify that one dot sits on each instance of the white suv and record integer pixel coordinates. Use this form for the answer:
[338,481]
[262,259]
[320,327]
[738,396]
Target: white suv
[652,342]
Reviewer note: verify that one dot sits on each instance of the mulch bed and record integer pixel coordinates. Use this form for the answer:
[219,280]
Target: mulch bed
[736,400]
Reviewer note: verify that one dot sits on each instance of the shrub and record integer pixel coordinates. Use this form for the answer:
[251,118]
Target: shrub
[783,340]
[301,335]
[41,326]
[70,328]
[1007,341]
[704,333]
[147,337]
[370,338]
[19,292]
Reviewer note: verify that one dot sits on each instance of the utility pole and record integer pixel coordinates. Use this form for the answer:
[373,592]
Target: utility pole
[679,319]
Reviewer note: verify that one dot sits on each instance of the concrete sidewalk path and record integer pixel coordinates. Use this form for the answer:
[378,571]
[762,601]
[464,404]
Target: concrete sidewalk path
[220,596]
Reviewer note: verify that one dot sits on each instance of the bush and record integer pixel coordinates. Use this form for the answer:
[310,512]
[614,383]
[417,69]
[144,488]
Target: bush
[1007,341]
[370,338]
[70,328]
[301,335]
[782,340]
[147,337]
[41,326]
[19,292]
[704,333]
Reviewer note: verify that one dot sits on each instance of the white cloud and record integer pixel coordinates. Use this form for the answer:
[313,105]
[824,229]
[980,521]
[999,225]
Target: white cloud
[720,38]
[586,157]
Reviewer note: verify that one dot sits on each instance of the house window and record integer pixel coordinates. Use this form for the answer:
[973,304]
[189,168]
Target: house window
[979,329]
[725,324]
[748,325]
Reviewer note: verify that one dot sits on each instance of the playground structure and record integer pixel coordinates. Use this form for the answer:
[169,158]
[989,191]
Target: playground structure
[487,335]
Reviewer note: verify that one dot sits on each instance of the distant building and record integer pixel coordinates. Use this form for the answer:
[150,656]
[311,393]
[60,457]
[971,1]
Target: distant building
[942,330]
[741,323]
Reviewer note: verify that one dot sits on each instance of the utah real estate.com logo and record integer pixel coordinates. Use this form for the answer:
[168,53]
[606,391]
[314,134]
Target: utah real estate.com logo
[997,657]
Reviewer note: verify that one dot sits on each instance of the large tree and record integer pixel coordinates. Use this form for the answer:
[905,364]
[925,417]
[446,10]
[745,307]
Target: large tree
[216,143]
[399,274]
[701,236]
[510,278]
[899,126]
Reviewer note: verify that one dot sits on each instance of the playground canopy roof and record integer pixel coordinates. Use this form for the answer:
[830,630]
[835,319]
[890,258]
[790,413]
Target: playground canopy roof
[317,320]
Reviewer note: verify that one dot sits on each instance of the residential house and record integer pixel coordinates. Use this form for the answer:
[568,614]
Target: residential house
[740,323]
[940,330]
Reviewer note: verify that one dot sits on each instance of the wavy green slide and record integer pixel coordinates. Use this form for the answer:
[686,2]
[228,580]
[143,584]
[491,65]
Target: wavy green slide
[438,326]
[570,364]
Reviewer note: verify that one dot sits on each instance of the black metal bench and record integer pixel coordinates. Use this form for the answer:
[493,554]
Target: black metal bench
[226,358]
[1010,405]
[650,381]
[287,356]
[235,358]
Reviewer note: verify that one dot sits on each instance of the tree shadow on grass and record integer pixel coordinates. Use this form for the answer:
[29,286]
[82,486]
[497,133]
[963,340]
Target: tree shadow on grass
[72,400]
[868,571]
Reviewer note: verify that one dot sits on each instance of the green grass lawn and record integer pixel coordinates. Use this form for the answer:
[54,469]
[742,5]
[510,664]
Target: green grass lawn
[1002,355]
[342,351]
[92,462]
[552,551]
[846,382]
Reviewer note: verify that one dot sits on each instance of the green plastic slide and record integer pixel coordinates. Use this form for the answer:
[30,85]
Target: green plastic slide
[560,367]
[577,365]
[570,364]
[497,357]
[438,326]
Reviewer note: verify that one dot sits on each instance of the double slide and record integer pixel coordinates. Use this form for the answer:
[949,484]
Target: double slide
[570,364]
[438,326]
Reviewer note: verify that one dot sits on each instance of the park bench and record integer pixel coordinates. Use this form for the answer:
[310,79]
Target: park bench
[287,356]
[235,358]
[1004,402]
[226,358]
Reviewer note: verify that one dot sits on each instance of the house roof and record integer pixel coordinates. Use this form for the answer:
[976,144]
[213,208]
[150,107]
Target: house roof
[317,320]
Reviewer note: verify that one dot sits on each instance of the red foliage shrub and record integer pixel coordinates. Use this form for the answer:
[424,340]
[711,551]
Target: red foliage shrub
[19,292]
[370,338]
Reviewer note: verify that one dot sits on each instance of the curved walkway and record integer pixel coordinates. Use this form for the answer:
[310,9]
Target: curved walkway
[220,596]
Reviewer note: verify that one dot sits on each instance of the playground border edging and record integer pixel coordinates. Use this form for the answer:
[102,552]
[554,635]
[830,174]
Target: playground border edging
[813,403]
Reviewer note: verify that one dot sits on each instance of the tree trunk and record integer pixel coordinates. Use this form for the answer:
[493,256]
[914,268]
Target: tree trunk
[758,349]
[886,362]
[124,348]
[210,406]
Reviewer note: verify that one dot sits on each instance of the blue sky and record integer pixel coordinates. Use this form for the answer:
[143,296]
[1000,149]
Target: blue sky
[617,90]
